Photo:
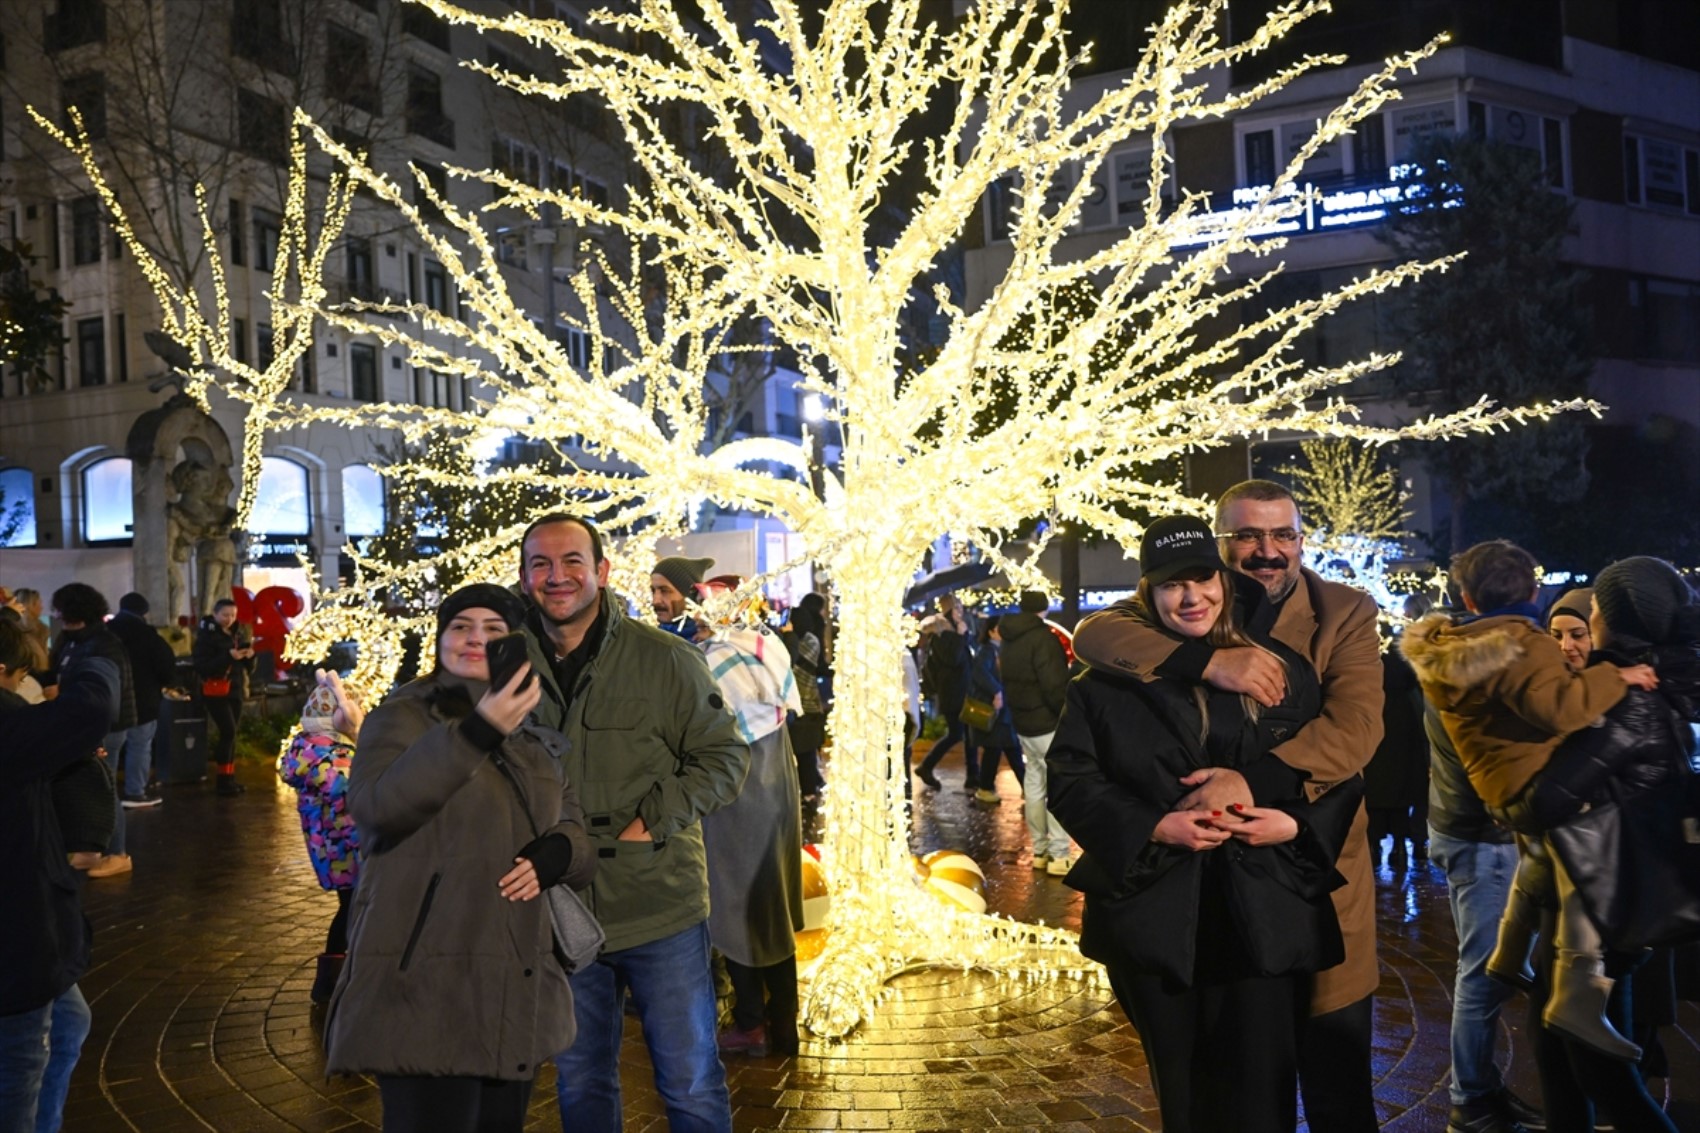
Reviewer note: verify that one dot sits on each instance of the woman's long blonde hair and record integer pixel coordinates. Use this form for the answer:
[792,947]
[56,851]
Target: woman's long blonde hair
[1227,633]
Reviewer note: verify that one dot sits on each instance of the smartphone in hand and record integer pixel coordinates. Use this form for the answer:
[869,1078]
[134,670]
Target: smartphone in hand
[505,655]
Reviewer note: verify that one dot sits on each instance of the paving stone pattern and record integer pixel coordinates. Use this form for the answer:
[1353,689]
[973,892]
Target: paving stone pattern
[204,956]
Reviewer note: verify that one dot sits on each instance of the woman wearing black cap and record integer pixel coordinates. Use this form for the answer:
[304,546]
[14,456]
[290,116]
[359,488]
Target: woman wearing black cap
[451,995]
[1633,764]
[1209,922]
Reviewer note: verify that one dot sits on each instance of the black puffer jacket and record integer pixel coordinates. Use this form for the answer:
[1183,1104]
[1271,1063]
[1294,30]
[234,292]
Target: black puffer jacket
[1235,911]
[76,645]
[1034,669]
[1636,744]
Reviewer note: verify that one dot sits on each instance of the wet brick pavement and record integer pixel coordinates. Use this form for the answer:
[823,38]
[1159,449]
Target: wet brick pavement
[204,955]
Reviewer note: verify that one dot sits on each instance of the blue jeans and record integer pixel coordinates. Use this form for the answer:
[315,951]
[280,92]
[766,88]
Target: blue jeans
[38,1051]
[138,755]
[672,986]
[1478,881]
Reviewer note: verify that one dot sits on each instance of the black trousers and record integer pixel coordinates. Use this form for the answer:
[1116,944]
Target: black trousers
[776,986]
[955,730]
[336,937]
[1223,1057]
[418,1104]
[222,712]
[1334,1069]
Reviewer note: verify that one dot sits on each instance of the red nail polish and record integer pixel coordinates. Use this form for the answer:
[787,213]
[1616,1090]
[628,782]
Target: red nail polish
[1216,814]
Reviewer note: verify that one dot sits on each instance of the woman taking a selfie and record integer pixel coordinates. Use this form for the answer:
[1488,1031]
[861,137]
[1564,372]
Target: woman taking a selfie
[452,995]
[1208,921]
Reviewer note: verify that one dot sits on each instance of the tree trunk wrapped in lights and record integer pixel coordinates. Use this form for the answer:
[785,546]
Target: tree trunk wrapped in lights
[813,148]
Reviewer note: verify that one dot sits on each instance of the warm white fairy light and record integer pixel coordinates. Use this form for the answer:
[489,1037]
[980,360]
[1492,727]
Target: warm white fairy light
[819,141]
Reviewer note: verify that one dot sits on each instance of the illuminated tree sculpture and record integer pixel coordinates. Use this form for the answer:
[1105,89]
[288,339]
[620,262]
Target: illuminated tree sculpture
[814,144]
[1355,511]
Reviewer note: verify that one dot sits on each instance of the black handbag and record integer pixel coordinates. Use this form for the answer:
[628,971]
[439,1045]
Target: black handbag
[1635,860]
[579,936]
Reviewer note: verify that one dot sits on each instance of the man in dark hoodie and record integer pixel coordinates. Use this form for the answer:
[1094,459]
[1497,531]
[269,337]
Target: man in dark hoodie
[1034,668]
[45,949]
[153,669]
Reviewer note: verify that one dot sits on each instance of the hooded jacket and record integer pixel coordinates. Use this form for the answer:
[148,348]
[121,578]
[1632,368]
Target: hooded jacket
[648,734]
[1504,695]
[444,976]
[1034,667]
[1235,911]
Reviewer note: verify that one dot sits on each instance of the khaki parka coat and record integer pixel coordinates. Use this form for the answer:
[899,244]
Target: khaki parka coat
[648,734]
[444,975]
[1332,626]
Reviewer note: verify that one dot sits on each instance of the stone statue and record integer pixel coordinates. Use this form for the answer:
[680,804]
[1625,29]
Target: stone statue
[199,521]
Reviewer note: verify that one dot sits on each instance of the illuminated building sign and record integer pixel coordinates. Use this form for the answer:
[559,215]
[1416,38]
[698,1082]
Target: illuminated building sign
[1317,210]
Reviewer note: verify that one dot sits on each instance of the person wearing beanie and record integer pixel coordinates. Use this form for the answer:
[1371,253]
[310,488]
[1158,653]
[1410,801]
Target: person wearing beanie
[316,764]
[1611,805]
[1567,624]
[1033,666]
[1507,699]
[153,669]
[451,994]
[673,585]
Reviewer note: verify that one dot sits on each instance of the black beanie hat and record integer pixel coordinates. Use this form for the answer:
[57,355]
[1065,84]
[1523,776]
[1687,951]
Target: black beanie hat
[1645,601]
[1034,602]
[487,595]
[685,574]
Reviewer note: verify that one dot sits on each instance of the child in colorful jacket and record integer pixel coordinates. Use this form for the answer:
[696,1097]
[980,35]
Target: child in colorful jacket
[316,764]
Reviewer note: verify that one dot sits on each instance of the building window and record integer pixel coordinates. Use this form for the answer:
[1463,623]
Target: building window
[438,180]
[425,115]
[239,340]
[264,352]
[17,508]
[108,507]
[357,256]
[85,230]
[426,26]
[510,247]
[362,501]
[437,288]
[577,343]
[1259,154]
[91,352]
[267,229]
[1001,201]
[262,127]
[348,69]
[1661,174]
[363,372]
[235,227]
[257,34]
[1667,324]
[282,505]
[1523,129]
[88,94]
[1414,125]
[75,23]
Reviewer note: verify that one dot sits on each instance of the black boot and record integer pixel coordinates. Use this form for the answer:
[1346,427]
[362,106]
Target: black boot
[324,982]
[228,787]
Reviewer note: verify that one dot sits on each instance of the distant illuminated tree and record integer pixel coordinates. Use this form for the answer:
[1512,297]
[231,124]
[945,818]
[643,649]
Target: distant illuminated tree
[813,141]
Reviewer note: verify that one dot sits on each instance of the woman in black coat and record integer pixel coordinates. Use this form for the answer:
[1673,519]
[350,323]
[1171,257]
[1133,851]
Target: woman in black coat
[1209,922]
[985,683]
[1631,765]
[223,656]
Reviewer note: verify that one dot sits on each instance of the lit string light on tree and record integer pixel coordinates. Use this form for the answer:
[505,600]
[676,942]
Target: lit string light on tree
[820,141]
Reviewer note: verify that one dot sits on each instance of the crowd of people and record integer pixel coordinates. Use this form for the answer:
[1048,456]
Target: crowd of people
[576,814]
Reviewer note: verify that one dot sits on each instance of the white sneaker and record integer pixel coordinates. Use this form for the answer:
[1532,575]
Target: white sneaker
[1059,867]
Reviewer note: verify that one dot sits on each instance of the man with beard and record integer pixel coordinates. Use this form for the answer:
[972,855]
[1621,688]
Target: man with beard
[652,749]
[1333,627]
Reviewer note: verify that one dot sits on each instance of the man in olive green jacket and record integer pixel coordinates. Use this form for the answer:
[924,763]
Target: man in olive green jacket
[652,748]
